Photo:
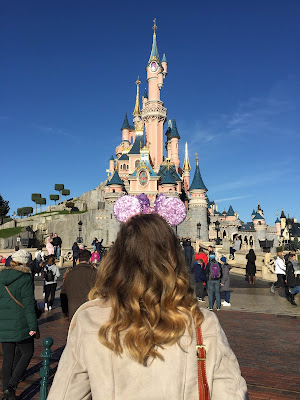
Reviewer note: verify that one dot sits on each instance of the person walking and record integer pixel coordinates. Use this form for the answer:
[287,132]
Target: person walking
[188,254]
[225,281]
[51,273]
[200,278]
[213,271]
[78,282]
[136,337]
[18,320]
[251,267]
[75,250]
[39,257]
[293,277]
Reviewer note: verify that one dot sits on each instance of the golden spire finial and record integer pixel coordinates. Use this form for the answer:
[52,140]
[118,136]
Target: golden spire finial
[168,163]
[154,27]
[137,110]
[197,159]
[277,213]
[186,164]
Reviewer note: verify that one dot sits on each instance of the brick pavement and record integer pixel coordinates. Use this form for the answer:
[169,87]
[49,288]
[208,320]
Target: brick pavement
[266,346]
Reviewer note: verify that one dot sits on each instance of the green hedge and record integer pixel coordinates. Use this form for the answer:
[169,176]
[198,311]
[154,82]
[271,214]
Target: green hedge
[5,233]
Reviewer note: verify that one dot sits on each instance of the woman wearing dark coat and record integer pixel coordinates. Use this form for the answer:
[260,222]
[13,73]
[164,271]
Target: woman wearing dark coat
[251,267]
[75,249]
[18,320]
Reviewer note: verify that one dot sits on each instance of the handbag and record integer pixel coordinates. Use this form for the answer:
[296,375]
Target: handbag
[201,359]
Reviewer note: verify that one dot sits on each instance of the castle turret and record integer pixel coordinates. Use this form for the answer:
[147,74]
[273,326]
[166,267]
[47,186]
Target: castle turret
[186,170]
[154,113]
[260,228]
[198,204]
[164,64]
[111,164]
[125,129]
[282,220]
[278,225]
[174,139]
[168,183]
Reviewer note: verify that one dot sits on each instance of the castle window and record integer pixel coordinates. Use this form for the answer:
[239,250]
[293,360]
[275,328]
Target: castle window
[127,166]
[136,163]
[121,166]
[124,166]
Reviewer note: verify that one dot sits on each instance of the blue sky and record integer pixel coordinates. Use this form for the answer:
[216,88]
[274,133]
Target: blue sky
[68,74]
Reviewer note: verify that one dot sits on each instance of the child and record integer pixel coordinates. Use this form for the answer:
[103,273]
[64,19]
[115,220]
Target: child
[51,273]
[225,281]
[200,277]
[95,257]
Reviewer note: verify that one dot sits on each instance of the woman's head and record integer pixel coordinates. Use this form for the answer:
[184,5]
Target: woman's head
[51,260]
[21,257]
[145,278]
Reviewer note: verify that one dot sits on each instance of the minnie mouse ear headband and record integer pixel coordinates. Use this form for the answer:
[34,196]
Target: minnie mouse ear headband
[171,209]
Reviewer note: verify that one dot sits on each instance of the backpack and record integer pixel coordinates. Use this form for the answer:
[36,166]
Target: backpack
[215,271]
[48,275]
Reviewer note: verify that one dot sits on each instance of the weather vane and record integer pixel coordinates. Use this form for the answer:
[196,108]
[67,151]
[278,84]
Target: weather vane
[138,81]
[154,26]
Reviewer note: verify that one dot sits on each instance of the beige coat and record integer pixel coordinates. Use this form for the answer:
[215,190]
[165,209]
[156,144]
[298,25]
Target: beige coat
[88,369]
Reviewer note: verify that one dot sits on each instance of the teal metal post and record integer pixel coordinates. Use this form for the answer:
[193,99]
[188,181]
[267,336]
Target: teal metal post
[44,370]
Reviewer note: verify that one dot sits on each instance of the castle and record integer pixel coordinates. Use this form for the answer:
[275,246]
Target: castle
[145,162]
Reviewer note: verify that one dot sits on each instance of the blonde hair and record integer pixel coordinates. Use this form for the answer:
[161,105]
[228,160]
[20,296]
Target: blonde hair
[145,278]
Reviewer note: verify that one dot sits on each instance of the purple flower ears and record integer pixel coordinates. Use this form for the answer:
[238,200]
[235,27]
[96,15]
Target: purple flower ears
[171,209]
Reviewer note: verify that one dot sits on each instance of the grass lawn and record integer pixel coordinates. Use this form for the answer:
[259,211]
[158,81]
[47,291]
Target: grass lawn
[5,233]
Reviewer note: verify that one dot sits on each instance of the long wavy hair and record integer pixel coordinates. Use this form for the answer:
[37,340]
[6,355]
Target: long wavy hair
[145,278]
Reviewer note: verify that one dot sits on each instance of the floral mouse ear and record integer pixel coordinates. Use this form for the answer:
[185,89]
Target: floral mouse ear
[172,209]
[126,207]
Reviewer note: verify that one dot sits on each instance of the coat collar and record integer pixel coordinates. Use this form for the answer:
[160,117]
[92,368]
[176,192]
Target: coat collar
[21,268]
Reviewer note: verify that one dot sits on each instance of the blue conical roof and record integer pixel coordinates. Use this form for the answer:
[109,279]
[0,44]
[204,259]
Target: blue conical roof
[111,158]
[277,221]
[258,216]
[125,123]
[115,180]
[174,130]
[230,212]
[253,212]
[197,181]
[168,178]
[135,149]
[154,52]
[164,59]
[145,94]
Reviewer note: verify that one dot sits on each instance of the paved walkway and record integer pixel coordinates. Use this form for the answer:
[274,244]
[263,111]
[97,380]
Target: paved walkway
[263,330]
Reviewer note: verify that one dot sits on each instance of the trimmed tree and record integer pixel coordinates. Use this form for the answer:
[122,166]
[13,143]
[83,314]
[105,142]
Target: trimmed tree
[4,208]
[69,205]
[65,192]
[41,201]
[34,197]
[24,211]
[54,197]
[59,187]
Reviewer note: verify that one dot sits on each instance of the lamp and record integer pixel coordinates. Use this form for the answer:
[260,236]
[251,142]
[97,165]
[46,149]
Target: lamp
[198,230]
[79,239]
[217,228]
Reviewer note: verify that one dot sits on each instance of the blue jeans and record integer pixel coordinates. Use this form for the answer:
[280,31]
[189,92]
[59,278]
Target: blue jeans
[295,290]
[57,252]
[214,286]
[227,296]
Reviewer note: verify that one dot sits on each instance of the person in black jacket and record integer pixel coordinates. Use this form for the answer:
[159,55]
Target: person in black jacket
[57,242]
[293,277]
[75,249]
[200,278]
[188,255]
[251,267]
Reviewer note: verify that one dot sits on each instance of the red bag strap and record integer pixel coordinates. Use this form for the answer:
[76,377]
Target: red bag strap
[201,359]
[21,305]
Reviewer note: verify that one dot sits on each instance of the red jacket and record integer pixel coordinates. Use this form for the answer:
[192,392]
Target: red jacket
[202,256]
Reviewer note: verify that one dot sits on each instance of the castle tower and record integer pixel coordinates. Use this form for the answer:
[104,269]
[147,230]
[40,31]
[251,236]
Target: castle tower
[260,229]
[278,225]
[137,111]
[154,113]
[168,142]
[198,205]
[168,184]
[186,170]
[282,220]
[174,138]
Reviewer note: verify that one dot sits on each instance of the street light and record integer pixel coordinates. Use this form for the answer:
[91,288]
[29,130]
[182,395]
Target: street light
[217,224]
[289,223]
[198,230]
[79,239]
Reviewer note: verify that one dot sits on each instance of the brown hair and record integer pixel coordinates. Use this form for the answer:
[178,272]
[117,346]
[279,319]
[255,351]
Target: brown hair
[51,260]
[145,278]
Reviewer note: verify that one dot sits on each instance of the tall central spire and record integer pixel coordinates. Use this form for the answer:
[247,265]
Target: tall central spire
[154,56]
[186,164]
[137,109]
